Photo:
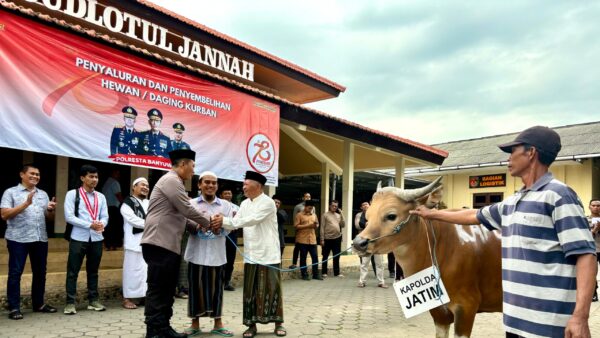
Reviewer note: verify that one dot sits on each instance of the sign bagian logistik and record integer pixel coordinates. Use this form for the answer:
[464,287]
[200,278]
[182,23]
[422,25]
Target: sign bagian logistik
[95,102]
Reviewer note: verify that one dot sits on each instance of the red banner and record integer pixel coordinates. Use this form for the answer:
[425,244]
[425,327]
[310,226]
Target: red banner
[69,96]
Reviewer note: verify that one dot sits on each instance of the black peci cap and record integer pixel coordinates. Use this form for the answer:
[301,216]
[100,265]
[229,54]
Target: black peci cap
[253,175]
[544,139]
[182,153]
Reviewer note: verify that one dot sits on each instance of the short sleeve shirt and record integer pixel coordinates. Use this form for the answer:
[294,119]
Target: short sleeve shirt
[30,224]
[544,228]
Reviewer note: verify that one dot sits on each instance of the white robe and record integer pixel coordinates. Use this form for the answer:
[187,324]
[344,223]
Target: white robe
[261,236]
[135,269]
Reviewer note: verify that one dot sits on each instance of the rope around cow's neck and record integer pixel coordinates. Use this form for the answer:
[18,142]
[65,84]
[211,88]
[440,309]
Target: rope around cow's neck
[432,254]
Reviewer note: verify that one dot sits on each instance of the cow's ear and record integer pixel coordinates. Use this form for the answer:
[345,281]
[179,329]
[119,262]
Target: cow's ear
[432,199]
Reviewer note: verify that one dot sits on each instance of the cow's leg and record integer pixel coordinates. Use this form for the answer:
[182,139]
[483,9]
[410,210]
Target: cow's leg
[442,318]
[464,316]
[441,330]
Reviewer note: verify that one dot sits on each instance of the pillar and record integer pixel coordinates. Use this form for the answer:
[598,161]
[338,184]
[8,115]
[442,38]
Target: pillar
[324,187]
[347,192]
[62,186]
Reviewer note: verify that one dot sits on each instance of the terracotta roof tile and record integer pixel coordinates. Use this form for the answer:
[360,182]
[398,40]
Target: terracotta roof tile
[243,45]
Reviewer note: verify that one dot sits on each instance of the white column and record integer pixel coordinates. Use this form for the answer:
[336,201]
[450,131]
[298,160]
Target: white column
[399,164]
[62,186]
[347,192]
[269,190]
[324,187]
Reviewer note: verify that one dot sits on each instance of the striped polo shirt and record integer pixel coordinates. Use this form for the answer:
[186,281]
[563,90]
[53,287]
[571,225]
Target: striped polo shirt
[544,229]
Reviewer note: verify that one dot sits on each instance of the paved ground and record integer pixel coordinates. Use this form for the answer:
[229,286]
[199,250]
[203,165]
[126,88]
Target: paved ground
[329,308]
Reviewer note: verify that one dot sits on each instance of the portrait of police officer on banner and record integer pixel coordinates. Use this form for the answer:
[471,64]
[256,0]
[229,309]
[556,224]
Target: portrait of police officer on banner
[125,139]
[177,141]
[153,142]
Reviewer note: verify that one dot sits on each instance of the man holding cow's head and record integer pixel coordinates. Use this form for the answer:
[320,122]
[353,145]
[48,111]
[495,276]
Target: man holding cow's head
[548,253]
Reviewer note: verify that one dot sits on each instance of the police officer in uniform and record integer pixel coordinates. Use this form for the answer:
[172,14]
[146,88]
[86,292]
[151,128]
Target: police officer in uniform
[125,139]
[153,141]
[177,141]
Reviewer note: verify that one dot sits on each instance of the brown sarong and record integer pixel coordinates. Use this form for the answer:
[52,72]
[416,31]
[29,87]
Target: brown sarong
[263,300]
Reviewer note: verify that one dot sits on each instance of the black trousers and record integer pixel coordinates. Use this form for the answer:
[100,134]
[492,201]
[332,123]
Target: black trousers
[394,267]
[304,250]
[163,274]
[334,246]
[295,254]
[230,252]
[113,234]
[77,251]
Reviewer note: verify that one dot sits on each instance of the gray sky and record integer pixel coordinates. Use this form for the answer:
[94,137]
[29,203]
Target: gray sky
[431,71]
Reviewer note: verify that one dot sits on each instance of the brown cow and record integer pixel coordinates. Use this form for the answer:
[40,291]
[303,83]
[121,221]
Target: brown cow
[468,256]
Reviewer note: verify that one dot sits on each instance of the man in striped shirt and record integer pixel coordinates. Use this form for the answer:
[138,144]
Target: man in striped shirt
[548,253]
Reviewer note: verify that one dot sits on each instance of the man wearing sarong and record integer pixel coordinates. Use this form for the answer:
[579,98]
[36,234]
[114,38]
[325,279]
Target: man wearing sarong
[135,269]
[262,301]
[206,256]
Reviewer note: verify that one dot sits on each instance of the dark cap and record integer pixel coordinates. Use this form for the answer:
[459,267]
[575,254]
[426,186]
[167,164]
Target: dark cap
[544,139]
[154,114]
[129,112]
[182,153]
[253,175]
[178,127]
[309,203]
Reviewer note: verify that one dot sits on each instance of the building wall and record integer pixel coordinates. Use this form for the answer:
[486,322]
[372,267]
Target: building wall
[583,178]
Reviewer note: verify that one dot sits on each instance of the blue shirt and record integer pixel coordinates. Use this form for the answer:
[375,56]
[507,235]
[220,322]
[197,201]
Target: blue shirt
[544,228]
[81,225]
[30,224]
[208,249]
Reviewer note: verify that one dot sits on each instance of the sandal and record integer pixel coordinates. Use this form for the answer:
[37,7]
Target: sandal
[46,309]
[250,333]
[192,332]
[223,332]
[383,286]
[280,331]
[15,314]
[361,285]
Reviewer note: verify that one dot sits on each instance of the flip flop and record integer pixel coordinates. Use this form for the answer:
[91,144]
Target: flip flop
[223,332]
[250,333]
[192,332]
[280,331]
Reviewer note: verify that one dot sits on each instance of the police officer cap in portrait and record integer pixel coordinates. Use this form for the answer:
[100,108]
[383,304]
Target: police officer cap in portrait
[544,139]
[129,112]
[178,127]
[253,175]
[154,114]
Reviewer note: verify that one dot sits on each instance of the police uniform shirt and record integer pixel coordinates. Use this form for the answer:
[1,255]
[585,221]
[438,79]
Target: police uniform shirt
[156,144]
[124,141]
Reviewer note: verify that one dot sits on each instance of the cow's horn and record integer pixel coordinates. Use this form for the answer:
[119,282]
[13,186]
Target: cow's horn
[413,194]
[378,186]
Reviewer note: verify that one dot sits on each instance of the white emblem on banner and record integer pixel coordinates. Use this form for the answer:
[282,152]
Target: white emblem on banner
[260,152]
[421,292]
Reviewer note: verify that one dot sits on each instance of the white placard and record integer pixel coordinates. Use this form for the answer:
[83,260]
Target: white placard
[421,292]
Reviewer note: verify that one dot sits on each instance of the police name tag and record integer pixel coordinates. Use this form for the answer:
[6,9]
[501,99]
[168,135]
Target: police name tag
[421,292]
